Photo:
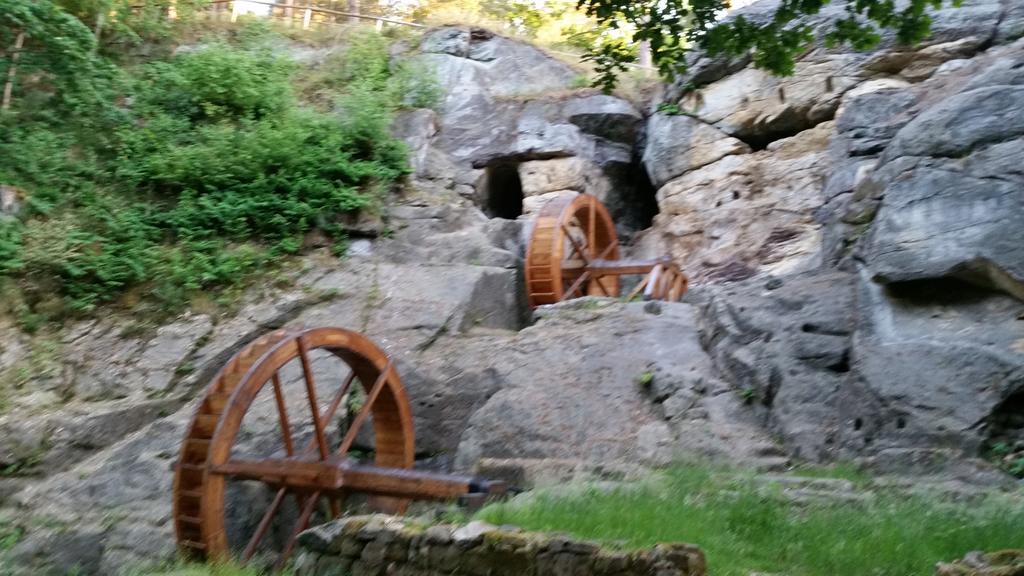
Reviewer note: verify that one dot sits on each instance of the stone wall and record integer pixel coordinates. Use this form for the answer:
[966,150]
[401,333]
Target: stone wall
[377,545]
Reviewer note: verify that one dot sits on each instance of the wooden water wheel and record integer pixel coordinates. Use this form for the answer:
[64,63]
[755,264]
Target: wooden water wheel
[309,467]
[573,251]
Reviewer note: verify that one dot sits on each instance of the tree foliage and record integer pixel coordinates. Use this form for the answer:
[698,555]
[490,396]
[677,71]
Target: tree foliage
[58,56]
[672,28]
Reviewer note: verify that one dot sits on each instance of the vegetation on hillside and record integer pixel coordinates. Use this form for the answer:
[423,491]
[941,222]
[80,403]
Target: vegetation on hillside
[161,178]
[744,529]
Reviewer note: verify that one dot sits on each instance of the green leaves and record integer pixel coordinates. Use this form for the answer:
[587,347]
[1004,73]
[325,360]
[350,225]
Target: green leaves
[219,83]
[672,28]
[211,172]
[60,48]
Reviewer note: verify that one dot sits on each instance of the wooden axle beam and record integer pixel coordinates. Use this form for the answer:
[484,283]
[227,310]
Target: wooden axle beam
[339,475]
[612,267]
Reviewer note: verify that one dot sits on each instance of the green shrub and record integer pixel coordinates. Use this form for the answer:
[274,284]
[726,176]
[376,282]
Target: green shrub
[10,247]
[211,170]
[218,82]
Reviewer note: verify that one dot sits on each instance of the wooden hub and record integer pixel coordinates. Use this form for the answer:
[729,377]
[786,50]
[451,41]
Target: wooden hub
[574,251]
[309,464]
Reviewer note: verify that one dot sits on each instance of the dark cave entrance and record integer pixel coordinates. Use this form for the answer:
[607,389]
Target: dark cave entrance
[1006,423]
[503,191]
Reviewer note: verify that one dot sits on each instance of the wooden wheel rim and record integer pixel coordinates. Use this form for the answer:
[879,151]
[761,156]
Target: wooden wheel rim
[205,533]
[547,282]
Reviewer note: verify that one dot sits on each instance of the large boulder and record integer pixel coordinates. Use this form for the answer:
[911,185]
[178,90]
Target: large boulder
[784,345]
[678,144]
[939,364]
[748,213]
[608,383]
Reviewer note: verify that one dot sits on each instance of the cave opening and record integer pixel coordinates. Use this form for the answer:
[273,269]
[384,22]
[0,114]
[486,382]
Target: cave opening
[1006,423]
[503,191]
[947,291]
[633,202]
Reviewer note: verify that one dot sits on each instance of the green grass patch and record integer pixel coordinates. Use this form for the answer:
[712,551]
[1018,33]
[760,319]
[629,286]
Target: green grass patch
[742,528]
[9,534]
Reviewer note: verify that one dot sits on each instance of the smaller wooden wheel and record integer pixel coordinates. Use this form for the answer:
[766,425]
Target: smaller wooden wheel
[570,232]
[574,251]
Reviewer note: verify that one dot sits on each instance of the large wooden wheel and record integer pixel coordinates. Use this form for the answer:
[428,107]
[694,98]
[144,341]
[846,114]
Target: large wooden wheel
[573,251]
[570,231]
[307,467]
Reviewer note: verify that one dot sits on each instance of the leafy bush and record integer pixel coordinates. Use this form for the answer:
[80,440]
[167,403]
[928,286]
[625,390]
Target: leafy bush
[10,247]
[211,170]
[217,82]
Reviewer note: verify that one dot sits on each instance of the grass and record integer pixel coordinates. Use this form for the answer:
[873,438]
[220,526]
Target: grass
[742,530]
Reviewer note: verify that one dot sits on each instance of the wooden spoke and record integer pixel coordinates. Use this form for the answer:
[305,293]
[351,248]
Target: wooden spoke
[576,249]
[653,284]
[314,407]
[576,285]
[598,277]
[300,526]
[336,506]
[264,525]
[282,412]
[639,287]
[357,423]
[592,229]
[332,408]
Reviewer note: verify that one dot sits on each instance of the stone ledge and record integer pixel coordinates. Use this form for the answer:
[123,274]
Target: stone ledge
[379,545]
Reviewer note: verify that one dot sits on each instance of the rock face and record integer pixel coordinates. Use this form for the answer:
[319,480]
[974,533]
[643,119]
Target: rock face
[853,233]
[512,128]
[584,356]
[861,255]
[745,213]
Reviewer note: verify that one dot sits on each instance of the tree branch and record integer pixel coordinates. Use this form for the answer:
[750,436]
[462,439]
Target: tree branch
[19,42]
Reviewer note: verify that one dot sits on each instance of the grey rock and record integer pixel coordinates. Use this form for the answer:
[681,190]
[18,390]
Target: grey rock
[416,128]
[472,533]
[1011,27]
[937,361]
[939,219]
[60,553]
[594,351]
[11,199]
[679,144]
[961,123]
[870,121]
[605,116]
[786,352]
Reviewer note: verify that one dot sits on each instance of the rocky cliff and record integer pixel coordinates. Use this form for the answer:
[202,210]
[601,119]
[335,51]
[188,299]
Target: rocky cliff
[854,235]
